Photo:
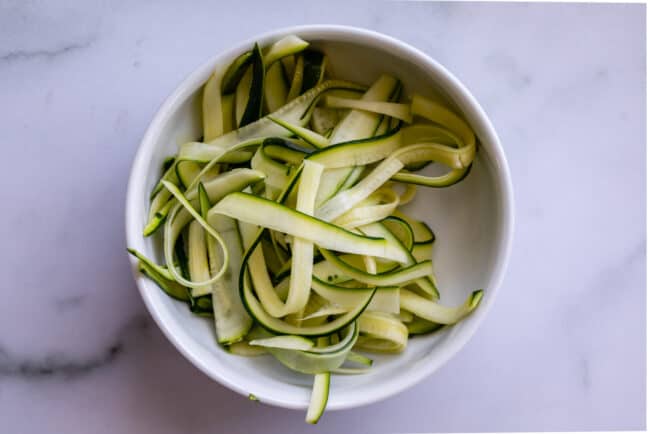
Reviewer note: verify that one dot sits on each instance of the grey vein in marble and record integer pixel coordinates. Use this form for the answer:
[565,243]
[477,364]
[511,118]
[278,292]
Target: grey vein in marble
[58,365]
[44,53]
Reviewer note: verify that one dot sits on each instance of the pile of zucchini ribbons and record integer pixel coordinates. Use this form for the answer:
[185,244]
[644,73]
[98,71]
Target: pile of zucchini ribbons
[283,222]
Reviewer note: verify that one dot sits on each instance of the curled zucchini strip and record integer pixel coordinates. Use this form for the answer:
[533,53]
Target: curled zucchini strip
[316,360]
[381,333]
[436,312]
[402,276]
[172,230]
[343,201]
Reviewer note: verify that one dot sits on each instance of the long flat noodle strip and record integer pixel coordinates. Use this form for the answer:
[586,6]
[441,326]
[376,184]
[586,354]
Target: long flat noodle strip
[212,107]
[169,286]
[392,109]
[150,264]
[420,132]
[263,285]
[286,46]
[159,201]
[198,259]
[158,208]
[169,174]
[435,112]
[309,136]
[328,272]
[320,358]
[284,152]
[389,302]
[384,299]
[358,124]
[303,249]
[239,177]
[345,200]
[359,152]
[399,277]
[275,88]
[269,214]
[325,311]
[287,342]
[436,312]
[205,152]
[450,178]
[170,240]
[382,327]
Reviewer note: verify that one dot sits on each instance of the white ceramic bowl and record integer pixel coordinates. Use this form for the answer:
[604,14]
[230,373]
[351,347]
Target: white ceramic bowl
[473,221]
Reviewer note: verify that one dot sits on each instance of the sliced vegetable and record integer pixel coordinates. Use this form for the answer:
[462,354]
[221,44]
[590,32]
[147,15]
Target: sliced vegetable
[436,312]
[171,287]
[263,212]
[392,109]
[314,69]
[282,223]
[319,395]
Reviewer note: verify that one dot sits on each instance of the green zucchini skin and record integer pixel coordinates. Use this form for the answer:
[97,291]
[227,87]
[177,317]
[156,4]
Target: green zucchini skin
[169,287]
[313,70]
[433,182]
[169,162]
[235,72]
[253,109]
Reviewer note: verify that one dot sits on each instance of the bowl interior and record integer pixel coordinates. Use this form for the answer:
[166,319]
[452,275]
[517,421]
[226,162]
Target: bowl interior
[469,220]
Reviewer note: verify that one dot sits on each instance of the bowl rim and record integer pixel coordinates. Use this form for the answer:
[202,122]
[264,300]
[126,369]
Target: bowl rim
[462,97]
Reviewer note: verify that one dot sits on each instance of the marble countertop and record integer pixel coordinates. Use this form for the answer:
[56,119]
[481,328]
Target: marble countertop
[564,345]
